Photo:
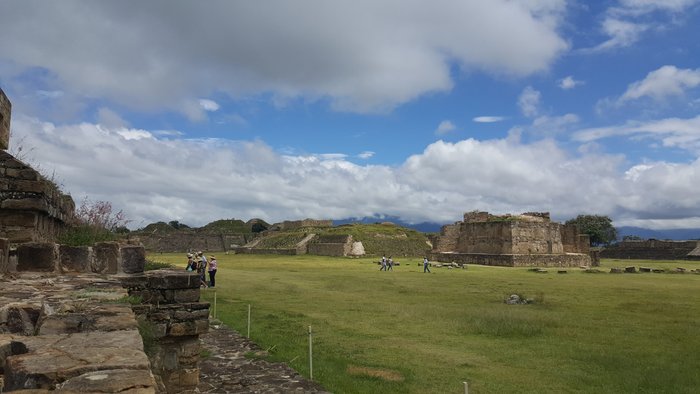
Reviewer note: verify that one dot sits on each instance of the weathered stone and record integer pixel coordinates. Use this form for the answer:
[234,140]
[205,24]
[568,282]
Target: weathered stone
[133,259]
[522,240]
[17,219]
[615,270]
[182,295]
[5,115]
[644,269]
[29,204]
[4,255]
[52,358]
[106,259]
[111,381]
[37,257]
[174,280]
[630,269]
[75,258]
[19,318]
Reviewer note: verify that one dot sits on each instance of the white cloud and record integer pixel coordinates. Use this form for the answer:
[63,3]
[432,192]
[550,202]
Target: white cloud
[625,22]
[622,34]
[209,105]
[111,119]
[445,127]
[529,101]
[569,82]
[366,155]
[167,180]
[645,6]
[552,125]
[672,132]
[360,55]
[664,82]
[488,119]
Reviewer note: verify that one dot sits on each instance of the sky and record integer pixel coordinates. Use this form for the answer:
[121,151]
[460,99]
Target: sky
[283,110]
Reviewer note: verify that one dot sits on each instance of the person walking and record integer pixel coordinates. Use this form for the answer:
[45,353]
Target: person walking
[383,268]
[426,264]
[390,264]
[202,267]
[212,271]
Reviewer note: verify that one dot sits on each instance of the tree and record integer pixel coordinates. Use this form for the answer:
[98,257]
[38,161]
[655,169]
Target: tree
[599,228]
[258,227]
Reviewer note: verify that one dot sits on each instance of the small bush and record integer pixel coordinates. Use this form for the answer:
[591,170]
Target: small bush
[156,265]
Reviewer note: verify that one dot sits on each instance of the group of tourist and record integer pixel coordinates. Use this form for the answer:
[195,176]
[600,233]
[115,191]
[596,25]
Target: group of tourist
[198,262]
[387,264]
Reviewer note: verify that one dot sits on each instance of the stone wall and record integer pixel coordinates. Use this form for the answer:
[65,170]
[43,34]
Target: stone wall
[511,240]
[515,260]
[5,114]
[32,209]
[175,317]
[331,245]
[102,258]
[189,240]
[68,304]
[297,224]
[650,250]
[448,238]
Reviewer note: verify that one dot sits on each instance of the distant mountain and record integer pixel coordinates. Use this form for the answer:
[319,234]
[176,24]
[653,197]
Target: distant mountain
[424,227]
[645,233]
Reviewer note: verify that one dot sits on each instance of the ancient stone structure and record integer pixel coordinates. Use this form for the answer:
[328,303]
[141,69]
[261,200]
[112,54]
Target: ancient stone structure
[511,240]
[32,208]
[189,240]
[653,249]
[65,326]
[297,224]
[5,113]
[331,245]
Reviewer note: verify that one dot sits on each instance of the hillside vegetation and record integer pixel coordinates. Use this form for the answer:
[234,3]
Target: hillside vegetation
[377,239]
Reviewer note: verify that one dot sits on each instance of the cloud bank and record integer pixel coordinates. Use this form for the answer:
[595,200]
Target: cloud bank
[154,178]
[360,55]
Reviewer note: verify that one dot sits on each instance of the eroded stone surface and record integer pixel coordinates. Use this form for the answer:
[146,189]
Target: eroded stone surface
[227,370]
[111,381]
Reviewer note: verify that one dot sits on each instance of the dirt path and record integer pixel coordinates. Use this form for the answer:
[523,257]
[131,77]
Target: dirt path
[227,370]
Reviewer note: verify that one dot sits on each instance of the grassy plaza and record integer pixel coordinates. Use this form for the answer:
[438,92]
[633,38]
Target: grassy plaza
[409,332]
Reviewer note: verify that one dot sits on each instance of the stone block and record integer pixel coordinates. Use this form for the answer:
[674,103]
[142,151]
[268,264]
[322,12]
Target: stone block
[189,378]
[106,259]
[133,259]
[35,256]
[20,235]
[52,359]
[134,282]
[111,381]
[173,280]
[28,204]
[75,258]
[183,295]
[182,329]
[16,219]
[4,255]
[5,114]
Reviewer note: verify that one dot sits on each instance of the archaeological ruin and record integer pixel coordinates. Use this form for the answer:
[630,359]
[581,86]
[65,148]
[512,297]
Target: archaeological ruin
[85,319]
[653,249]
[529,239]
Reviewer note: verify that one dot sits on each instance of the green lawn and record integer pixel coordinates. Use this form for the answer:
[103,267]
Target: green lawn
[409,332]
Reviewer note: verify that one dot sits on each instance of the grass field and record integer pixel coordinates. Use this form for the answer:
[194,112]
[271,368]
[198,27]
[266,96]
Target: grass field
[409,332]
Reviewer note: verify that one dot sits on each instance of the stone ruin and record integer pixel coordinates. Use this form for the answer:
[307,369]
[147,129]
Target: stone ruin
[529,239]
[85,319]
[653,249]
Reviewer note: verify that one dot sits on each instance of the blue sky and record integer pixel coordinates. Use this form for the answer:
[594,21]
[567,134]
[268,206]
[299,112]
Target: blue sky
[187,111]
